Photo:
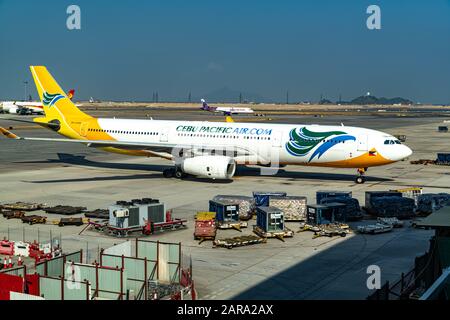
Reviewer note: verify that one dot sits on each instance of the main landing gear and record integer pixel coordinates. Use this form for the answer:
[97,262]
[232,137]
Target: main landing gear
[174,173]
[360,178]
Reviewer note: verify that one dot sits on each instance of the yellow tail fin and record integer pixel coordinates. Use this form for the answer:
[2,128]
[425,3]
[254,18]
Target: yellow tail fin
[58,108]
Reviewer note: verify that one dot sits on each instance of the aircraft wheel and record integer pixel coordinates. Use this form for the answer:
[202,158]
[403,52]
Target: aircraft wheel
[168,173]
[179,174]
[360,180]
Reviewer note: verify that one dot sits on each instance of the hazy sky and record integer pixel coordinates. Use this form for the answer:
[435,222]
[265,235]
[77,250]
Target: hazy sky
[126,50]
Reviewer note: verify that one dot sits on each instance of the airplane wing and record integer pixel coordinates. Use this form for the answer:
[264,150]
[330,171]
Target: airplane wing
[154,147]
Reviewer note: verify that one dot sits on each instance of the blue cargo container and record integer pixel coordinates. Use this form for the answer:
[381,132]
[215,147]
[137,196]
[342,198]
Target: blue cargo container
[226,211]
[443,158]
[325,213]
[262,198]
[270,219]
[322,194]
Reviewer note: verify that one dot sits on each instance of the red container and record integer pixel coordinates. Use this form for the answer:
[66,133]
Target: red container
[7,247]
[205,228]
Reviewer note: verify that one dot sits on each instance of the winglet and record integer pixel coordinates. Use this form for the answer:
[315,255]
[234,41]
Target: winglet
[8,134]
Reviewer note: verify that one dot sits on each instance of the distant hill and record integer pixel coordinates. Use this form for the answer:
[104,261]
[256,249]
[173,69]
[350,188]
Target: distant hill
[374,100]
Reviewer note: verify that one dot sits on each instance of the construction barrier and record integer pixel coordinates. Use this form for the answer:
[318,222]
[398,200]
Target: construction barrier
[55,266]
[120,249]
[165,256]
[10,283]
[20,271]
[106,282]
[64,289]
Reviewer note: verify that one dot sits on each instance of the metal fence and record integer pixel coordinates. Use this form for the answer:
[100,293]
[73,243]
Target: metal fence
[55,266]
[165,256]
[106,282]
[18,271]
[52,288]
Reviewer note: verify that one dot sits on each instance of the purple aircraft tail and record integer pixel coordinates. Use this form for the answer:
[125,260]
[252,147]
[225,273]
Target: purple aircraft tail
[205,106]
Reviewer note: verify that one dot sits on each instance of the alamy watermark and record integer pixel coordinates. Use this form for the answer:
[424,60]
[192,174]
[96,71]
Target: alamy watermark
[73,21]
[374,279]
[373,22]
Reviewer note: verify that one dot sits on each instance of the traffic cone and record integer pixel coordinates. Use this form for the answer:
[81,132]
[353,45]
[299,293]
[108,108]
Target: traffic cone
[10,265]
[19,262]
[5,264]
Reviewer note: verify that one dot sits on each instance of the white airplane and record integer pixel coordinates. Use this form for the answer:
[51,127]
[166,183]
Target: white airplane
[27,107]
[225,110]
[212,149]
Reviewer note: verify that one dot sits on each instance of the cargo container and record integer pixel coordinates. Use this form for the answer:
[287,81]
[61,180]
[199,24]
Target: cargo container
[270,223]
[412,193]
[398,207]
[6,247]
[370,195]
[352,209]
[205,226]
[246,204]
[321,194]
[227,215]
[428,203]
[293,207]
[262,198]
[326,213]
[443,158]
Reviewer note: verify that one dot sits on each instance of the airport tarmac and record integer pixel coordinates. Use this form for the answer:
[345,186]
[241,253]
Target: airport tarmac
[300,268]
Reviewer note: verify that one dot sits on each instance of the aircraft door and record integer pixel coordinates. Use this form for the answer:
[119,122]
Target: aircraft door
[164,135]
[84,129]
[276,139]
[363,143]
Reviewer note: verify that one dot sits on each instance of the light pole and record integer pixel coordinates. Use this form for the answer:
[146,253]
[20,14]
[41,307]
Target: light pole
[26,84]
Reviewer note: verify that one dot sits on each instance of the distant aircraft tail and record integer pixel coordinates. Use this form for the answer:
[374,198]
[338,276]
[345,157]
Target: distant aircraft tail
[58,108]
[205,106]
[71,93]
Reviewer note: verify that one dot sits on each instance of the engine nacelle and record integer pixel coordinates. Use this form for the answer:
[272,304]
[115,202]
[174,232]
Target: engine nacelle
[213,167]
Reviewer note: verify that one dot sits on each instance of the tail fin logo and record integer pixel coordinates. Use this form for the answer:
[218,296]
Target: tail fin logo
[50,99]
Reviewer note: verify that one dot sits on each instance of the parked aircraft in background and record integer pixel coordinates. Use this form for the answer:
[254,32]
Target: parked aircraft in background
[213,149]
[225,110]
[28,107]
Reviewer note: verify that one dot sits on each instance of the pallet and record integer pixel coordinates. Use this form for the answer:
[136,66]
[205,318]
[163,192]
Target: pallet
[287,233]
[230,243]
[235,225]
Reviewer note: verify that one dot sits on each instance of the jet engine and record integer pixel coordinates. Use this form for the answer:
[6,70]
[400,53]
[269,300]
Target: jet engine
[213,167]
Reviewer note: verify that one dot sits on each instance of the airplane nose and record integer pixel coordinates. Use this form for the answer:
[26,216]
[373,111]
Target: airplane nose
[407,151]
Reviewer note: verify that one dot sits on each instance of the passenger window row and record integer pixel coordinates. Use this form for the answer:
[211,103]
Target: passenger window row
[200,135]
[392,142]
[124,132]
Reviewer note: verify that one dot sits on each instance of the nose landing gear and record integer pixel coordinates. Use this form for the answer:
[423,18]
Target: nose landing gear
[360,178]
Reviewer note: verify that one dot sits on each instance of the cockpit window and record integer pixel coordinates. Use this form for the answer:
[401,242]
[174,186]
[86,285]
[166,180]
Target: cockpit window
[392,142]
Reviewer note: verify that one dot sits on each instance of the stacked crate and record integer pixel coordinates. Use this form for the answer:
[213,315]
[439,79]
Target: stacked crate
[293,207]
[245,204]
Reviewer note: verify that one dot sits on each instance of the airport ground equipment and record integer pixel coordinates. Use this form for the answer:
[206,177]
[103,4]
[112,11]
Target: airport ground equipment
[412,193]
[65,210]
[399,207]
[293,207]
[326,230]
[443,159]
[349,212]
[270,223]
[6,247]
[102,214]
[247,207]
[326,213]
[375,228]
[371,195]
[391,221]
[34,219]
[442,128]
[205,226]
[71,222]
[322,194]
[401,137]
[23,206]
[423,161]
[15,214]
[240,241]
[262,198]
[227,214]
[428,203]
